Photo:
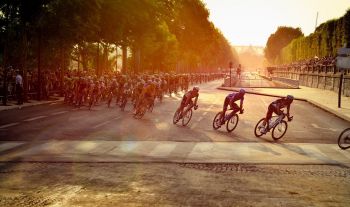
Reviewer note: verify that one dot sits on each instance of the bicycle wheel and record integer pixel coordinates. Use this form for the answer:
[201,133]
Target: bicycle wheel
[217,121]
[123,104]
[109,102]
[344,139]
[257,131]
[140,113]
[187,117]
[91,101]
[232,123]
[279,130]
[176,116]
[151,106]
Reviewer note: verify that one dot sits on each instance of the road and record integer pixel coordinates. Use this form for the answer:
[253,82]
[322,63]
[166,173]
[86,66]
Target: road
[74,177]
[252,79]
[61,122]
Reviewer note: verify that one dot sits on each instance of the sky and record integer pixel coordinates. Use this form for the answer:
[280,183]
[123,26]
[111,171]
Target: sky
[250,22]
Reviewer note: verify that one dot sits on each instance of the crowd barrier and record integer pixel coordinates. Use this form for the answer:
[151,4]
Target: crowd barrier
[325,77]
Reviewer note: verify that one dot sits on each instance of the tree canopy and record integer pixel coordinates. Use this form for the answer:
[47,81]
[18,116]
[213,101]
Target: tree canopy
[324,41]
[160,35]
[278,40]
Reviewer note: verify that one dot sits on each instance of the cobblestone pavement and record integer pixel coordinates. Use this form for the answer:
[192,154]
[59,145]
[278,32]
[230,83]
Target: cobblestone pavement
[116,184]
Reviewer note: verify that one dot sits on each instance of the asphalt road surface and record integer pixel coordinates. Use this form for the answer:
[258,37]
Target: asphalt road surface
[62,122]
[168,184]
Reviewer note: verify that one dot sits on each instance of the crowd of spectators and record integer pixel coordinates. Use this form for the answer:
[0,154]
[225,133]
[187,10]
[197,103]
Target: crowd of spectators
[9,87]
[316,61]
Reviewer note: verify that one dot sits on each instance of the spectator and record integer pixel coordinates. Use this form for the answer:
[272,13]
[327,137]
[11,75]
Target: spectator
[239,70]
[19,88]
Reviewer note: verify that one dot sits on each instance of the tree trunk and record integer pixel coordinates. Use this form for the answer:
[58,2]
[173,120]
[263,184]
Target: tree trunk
[124,54]
[116,57]
[82,53]
[24,64]
[98,59]
[138,59]
[62,66]
[39,64]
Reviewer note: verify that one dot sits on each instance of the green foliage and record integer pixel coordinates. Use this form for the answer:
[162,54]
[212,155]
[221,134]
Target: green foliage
[325,41]
[162,35]
[278,40]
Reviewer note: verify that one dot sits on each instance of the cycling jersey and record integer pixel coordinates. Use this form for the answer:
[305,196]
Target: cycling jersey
[276,106]
[187,98]
[233,97]
[281,103]
[148,90]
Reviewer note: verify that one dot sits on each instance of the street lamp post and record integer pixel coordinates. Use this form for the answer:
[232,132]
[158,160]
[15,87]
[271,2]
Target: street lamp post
[230,65]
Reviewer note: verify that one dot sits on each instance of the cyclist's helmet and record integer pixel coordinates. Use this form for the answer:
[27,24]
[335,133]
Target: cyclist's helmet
[196,88]
[242,91]
[290,98]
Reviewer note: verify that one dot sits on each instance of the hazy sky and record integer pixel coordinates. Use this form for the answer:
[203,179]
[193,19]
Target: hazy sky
[250,22]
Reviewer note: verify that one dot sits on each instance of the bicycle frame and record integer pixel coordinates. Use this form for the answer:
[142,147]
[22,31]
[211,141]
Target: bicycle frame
[230,115]
[278,120]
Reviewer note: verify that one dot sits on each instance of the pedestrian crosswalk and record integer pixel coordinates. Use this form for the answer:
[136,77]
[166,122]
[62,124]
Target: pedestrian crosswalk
[168,151]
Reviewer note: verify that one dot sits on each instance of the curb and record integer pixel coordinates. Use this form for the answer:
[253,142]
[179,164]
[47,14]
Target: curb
[325,108]
[34,104]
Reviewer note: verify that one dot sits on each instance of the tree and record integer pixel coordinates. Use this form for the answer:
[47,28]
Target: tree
[278,40]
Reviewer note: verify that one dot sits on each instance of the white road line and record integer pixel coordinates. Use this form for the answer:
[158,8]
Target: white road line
[8,125]
[35,118]
[106,122]
[315,125]
[60,112]
[318,127]
[205,113]
[102,124]
[117,118]
[53,103]
[194,125]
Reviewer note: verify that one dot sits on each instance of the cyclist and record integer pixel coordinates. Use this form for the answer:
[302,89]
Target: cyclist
[230,100]
[275,107]
[147,94]
[187,99]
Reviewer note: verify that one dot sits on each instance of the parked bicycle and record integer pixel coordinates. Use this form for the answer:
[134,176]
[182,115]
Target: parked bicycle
[231,119]
[344,139]
[185,116]
[278,125]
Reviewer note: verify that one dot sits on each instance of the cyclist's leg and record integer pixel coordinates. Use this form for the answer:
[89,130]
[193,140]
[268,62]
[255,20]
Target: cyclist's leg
[235,108]
[226,102]
[183,106]
[268,114]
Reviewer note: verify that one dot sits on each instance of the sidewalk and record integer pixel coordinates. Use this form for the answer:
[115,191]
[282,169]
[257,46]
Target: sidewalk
[324,99]
[13,104]
[176,152]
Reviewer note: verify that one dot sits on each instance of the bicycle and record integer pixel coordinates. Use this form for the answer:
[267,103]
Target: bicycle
[231,119]
[185,116]
[93,100]
[344,139]
[124,100]
[109,98]
[141,110]
[279,125]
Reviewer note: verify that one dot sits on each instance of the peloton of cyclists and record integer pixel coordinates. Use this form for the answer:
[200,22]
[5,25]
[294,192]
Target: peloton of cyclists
[276,107]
